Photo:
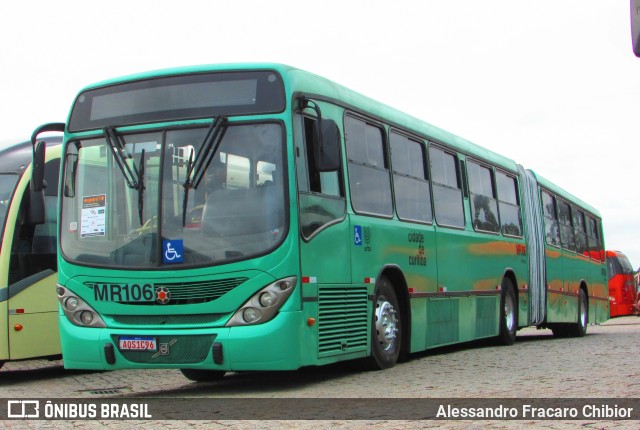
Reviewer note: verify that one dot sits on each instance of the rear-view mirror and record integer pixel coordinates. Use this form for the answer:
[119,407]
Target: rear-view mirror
[327,150]
[635,26]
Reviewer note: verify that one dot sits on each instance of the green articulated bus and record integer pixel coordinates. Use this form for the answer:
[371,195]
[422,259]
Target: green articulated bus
[28,301]
[259,217]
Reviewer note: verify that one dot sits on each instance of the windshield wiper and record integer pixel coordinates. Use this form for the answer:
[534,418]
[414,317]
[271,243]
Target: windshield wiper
[117,148]
[141,188]
[133,178]
[196,168]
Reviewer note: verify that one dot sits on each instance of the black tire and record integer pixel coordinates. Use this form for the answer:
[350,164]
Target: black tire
[560,332]
[386,329]
[579,329]
[199,375]
[508,314]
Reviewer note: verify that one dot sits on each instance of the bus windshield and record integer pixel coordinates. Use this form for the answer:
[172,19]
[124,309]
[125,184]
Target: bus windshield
[235,212]
[618,264]
[7,185]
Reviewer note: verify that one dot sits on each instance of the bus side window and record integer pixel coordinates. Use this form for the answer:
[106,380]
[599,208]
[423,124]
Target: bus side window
[566,228]
[580,232]
[593,239]
[484,206]
[551,229]
[447,190]
[321,194]
[369,179]
[411,186]
[508,205]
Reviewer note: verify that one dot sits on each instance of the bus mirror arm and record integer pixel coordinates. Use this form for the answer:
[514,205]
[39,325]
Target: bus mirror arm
[327,139]
[635,26]
[36,213]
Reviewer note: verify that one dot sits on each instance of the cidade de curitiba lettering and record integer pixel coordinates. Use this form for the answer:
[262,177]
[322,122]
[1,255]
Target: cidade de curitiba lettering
[419,259]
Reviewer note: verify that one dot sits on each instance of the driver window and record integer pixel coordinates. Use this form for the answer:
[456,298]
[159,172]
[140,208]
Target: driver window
[321,193]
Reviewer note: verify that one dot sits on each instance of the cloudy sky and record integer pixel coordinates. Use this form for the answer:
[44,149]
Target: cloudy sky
[552,84]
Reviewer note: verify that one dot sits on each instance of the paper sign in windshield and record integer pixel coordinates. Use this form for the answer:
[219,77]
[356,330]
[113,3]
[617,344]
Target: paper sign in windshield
[92,222]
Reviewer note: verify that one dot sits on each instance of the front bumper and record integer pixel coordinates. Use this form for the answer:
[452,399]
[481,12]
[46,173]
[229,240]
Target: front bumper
[274,345]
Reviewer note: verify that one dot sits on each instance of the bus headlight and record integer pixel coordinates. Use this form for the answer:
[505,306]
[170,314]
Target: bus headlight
[251,315]
[267,299]
[71,303]
[265,304]
[77,311]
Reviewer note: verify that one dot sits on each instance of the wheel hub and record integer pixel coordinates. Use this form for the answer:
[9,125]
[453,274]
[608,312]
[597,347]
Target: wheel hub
[509,313]
[386,324]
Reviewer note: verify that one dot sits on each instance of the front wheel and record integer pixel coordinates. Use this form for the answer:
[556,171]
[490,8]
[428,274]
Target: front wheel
[199,375]
[385,327]
[508,314]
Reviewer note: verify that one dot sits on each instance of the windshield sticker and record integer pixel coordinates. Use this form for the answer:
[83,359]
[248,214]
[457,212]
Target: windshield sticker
[173,251]
[92,222]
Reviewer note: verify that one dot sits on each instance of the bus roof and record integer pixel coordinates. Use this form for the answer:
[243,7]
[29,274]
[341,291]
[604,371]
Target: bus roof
[300,81]
[311,83]
[15,158]
[565,194]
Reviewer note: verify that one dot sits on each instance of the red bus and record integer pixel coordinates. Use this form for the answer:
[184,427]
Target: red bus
[622,285]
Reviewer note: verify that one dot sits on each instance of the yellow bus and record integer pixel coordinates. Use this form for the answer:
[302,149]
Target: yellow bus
[28,301]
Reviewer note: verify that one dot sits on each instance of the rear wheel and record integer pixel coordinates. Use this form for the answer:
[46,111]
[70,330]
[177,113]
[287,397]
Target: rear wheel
[199,375]
[385,327]
[579,329]
[508,314]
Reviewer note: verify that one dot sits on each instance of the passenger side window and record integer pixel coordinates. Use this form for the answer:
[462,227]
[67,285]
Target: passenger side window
[369,180]
[551,229]
[580,232]
[484,207]
[411,187]
[566,228]
[508,204]
[593,239]
[447,192]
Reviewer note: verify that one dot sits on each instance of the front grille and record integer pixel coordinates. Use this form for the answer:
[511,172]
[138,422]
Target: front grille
[181,293]
[154,320]
[199,292]
[173,350]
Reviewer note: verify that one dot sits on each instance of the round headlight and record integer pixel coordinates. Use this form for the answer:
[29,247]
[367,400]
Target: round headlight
[60,291]
[71,303]
[251,315]
[86,317]
[285,285]
[267,299]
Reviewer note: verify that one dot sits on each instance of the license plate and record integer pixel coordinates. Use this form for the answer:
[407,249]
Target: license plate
[137,343]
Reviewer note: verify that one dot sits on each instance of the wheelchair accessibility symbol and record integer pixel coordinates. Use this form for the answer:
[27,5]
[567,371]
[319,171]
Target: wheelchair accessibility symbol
[172,251]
